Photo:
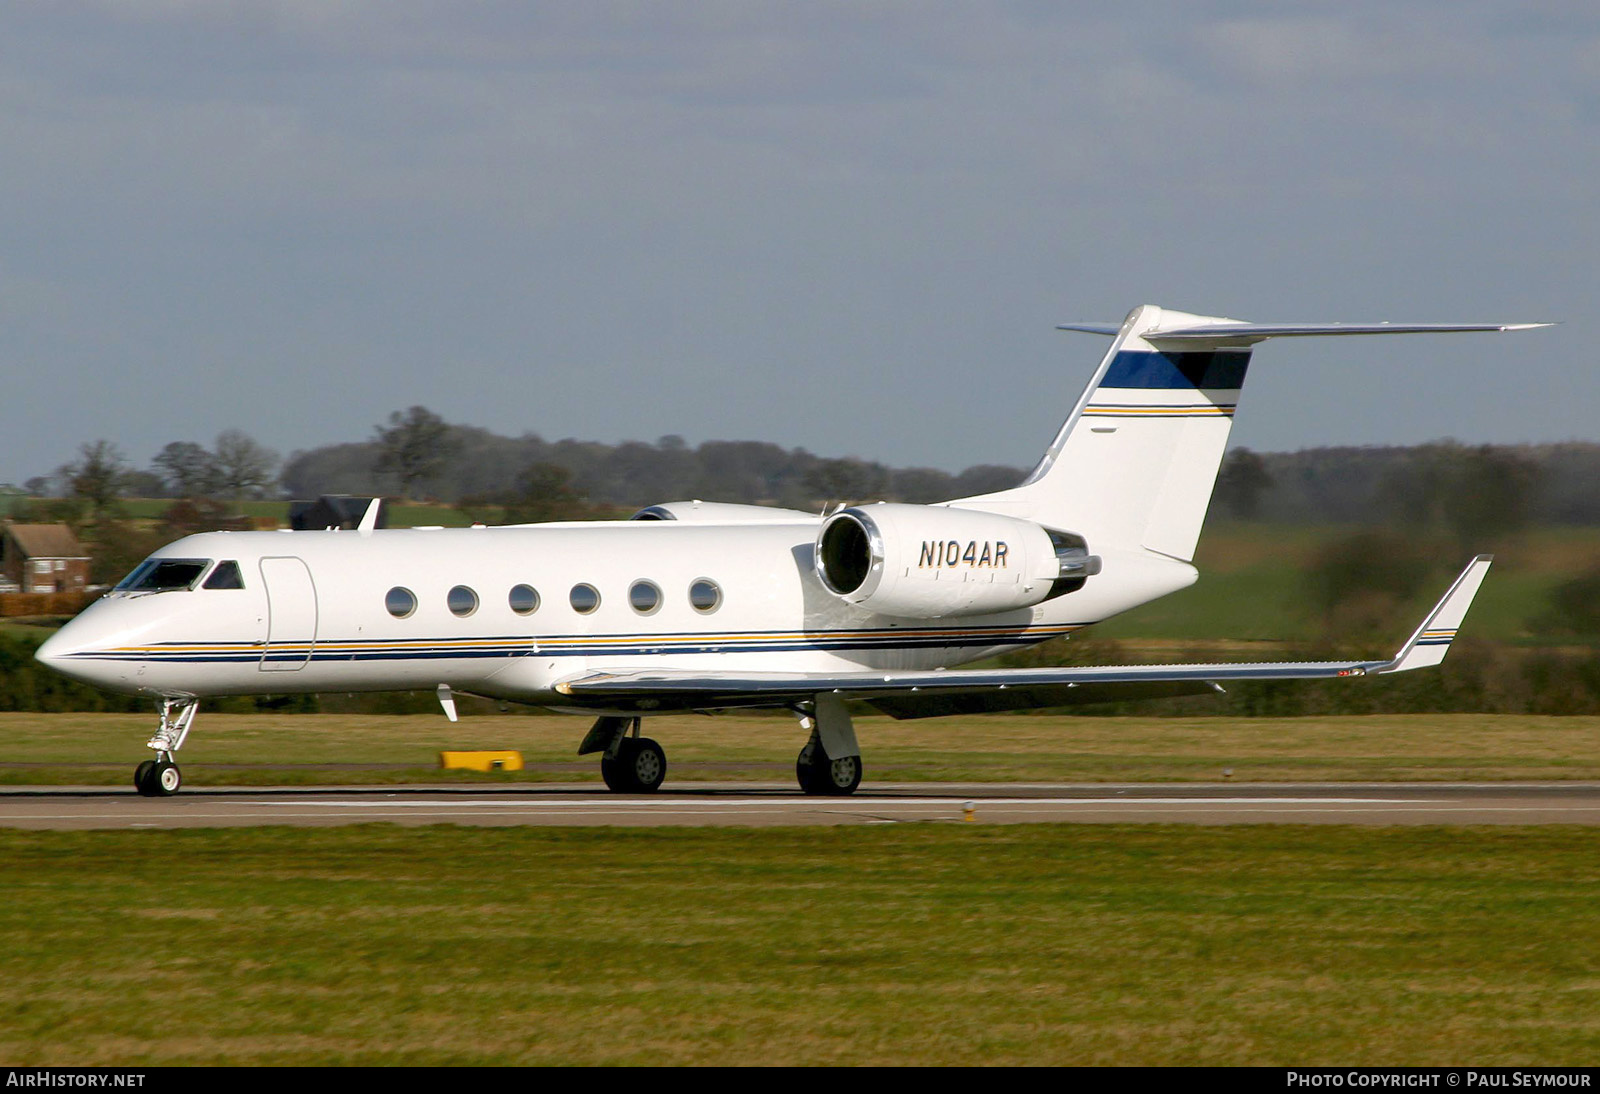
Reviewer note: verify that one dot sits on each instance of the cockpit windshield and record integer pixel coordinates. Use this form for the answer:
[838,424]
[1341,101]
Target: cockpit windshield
[160,575]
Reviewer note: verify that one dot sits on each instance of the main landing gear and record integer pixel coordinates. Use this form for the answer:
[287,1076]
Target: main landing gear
[830,763]
[629,763]
[818,774]
[160,777]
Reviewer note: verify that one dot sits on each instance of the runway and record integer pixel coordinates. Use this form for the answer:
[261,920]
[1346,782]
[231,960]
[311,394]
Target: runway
[699,804]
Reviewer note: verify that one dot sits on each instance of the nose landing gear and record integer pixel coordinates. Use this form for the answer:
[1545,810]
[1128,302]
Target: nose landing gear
[160,777]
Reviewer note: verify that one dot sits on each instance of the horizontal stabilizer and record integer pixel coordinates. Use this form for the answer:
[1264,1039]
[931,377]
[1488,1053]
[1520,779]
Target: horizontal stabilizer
[1232,333]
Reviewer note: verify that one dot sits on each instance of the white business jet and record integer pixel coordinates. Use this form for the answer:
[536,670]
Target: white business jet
[696,607]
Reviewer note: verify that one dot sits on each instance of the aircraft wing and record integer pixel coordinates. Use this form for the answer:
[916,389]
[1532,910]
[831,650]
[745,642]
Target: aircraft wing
[918,694]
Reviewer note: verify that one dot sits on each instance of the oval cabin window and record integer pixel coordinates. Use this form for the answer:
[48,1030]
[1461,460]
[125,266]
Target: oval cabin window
[705,595]
[462,601]
[524,599]
[644,597]
[584,599]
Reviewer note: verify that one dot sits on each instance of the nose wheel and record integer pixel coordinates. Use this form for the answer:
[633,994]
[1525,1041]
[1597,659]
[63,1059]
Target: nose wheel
[157,778]
[160,777]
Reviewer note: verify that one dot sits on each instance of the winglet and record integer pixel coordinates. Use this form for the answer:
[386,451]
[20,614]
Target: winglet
[369,519]
[1431,641]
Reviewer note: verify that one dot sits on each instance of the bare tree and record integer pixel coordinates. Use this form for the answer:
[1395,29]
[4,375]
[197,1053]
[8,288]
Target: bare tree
[1243,480]
[189,470]
[98,476]
[544,492]
[415,445]
[1478,494]
[1493,493]
[848,479]
[243,466]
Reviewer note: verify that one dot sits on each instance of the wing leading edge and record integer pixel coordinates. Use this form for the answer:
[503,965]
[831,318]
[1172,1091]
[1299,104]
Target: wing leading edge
[953,691]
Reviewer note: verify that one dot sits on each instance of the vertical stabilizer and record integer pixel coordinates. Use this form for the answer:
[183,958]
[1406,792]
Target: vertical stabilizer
[1135,462]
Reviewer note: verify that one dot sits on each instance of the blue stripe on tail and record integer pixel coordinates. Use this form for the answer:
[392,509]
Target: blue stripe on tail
[1222,369]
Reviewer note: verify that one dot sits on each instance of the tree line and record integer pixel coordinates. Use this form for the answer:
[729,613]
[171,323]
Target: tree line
[1471,489]
[416,454]
[1407,507]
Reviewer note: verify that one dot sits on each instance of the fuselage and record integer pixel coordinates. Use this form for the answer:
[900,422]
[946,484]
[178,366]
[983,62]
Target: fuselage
[508,612]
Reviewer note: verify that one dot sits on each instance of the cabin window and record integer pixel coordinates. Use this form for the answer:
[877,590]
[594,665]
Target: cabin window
[705,595]
[462,601]
[584,599]
[160,575]
[400,602]
[524,599]
[645,597]
[225,576]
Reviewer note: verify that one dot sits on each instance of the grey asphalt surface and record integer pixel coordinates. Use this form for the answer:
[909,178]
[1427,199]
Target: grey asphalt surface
[767,804]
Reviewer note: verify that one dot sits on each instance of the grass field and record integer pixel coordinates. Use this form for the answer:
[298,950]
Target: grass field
[907,944]
[930,944]
[1252,577]
[103,748]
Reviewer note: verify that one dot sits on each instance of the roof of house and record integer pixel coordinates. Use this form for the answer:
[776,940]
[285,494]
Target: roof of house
[46,541]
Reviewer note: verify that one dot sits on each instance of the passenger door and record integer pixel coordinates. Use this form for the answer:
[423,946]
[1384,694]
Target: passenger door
[291,614]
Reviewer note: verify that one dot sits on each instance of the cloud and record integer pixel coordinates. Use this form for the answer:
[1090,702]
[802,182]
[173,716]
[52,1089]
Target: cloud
[444,203]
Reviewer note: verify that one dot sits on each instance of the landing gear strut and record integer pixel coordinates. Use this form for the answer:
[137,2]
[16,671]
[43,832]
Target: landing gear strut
[630,764]
[160,777]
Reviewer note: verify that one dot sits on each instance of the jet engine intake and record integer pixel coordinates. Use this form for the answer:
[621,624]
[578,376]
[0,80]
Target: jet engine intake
[928,561]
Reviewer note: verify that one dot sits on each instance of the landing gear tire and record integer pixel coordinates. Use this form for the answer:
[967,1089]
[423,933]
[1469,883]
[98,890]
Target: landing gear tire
[820,775]
[158,778]
[639,766]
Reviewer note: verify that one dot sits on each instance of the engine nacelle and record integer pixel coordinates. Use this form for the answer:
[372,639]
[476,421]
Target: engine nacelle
[926,561]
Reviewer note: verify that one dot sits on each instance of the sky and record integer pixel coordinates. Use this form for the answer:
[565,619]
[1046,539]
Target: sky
[849,227]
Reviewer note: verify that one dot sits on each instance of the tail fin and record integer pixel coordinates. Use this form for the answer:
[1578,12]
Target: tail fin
[1135,462]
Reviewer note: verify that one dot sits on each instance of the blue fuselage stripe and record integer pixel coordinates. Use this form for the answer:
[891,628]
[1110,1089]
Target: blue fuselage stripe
[572,646]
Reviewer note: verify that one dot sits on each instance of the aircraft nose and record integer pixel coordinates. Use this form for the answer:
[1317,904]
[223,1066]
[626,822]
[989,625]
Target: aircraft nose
[55,649]
[63,652]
